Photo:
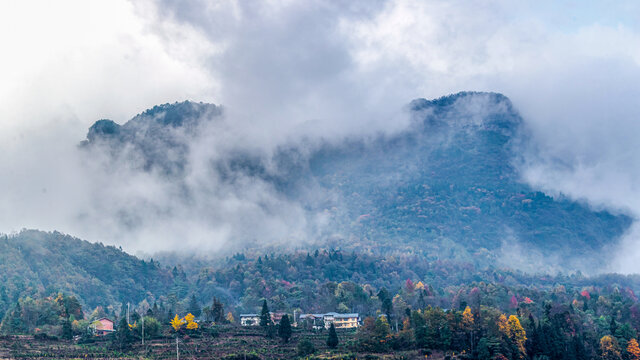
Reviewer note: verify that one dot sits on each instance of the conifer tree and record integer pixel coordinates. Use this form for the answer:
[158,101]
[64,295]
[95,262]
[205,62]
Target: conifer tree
[284,329]
[194,307]
[124,337]
[265,316]
[217,310]
[332,340]
[67,332]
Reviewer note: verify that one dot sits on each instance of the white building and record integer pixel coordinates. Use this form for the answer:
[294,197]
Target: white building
[339,321]
[249,319]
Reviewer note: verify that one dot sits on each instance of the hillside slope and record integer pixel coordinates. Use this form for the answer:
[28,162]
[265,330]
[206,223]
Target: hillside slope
[35,263]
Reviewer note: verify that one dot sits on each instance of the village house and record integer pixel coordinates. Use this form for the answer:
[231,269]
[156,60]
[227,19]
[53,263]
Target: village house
[254,319]
[102,327]
[249,319]
[339,321]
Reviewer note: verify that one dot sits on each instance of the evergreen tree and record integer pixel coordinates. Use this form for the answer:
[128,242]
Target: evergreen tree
[284,329]
[194,307]
[123,337]
[332,340]
[613,326]
[309,260]
[217,311]
[265,315]
[67,331]
[419,329]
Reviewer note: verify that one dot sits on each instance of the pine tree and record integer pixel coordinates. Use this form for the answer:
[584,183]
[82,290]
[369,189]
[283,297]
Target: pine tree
[332,340]
[284,329]
[265,316]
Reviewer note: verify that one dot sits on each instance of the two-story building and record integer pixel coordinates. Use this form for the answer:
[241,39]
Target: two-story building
[339,321]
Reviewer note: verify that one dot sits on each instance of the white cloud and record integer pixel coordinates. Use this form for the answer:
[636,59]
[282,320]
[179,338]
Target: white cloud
[285,68]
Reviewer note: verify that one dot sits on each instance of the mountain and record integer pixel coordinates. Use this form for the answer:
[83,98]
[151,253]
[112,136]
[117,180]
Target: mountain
[448,186]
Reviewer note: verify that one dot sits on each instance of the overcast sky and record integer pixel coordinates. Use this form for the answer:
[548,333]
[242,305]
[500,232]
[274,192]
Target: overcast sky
[284,68]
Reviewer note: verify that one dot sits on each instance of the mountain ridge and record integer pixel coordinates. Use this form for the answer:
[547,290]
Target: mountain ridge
[448,185]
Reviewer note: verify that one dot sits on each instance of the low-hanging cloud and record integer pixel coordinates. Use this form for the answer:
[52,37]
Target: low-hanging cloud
[287,70]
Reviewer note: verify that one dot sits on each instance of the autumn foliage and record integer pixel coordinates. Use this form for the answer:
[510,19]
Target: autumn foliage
[609,348]
[633,350]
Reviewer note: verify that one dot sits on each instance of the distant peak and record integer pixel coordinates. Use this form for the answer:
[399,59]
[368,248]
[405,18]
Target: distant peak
[102,129]
[159,117]
[452,99]
[492,111]
[178,113]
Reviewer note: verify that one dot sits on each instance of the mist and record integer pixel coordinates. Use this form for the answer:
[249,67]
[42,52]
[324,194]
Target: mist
[297,73]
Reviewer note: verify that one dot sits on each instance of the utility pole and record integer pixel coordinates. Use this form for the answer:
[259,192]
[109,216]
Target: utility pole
[177,352]
[143,331]
[128,322]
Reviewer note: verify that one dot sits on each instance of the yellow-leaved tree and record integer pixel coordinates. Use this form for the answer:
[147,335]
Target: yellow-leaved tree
[609,348]
[467,324]
[518,336]
[191,324]
[189,317]
[633,350]
[502,325]
[177,323]
[514,335]
[467,319]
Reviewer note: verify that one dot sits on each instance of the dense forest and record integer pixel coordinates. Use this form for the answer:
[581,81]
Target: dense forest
[405,301]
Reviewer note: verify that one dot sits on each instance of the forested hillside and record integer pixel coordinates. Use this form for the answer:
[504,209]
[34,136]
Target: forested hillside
[38,264]
[54,281]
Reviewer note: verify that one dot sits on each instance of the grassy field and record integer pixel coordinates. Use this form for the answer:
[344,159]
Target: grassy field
[230,343]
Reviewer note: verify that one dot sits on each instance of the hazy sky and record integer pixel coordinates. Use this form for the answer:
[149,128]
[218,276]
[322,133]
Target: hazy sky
[285,68]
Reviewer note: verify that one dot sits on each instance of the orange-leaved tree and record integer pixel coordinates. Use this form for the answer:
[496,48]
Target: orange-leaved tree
[633,350]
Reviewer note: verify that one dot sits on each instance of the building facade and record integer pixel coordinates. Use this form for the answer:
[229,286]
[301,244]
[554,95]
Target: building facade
[102,327]
[339,321]
[249,319]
